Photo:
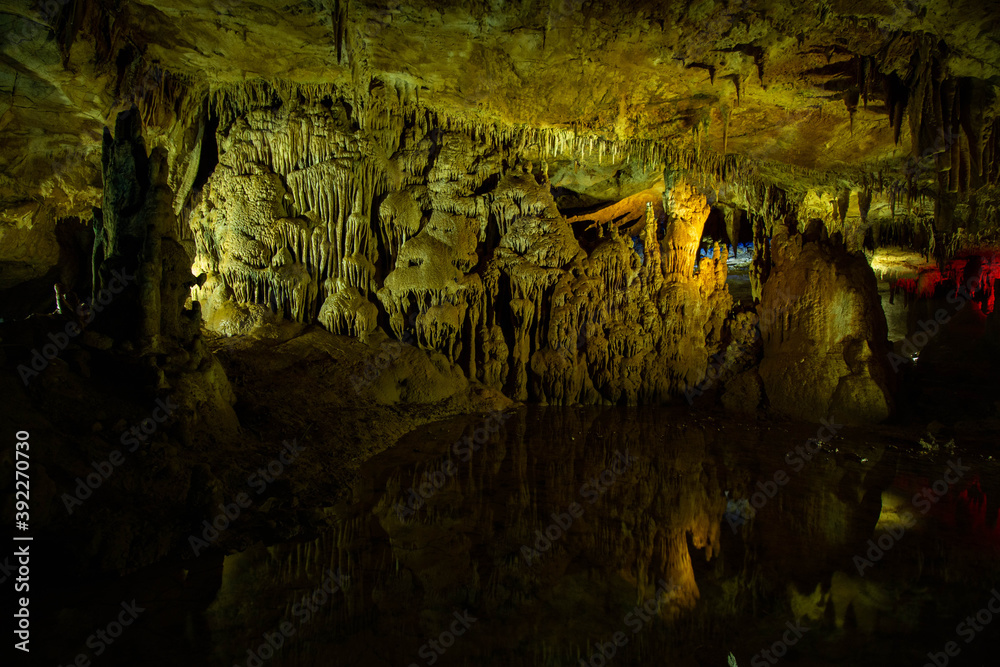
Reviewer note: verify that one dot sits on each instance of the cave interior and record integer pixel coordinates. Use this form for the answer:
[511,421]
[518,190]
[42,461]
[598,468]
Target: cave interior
[482,333]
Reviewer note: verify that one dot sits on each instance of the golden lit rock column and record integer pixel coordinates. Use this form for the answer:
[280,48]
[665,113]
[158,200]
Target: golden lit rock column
[652,267]
[687,212]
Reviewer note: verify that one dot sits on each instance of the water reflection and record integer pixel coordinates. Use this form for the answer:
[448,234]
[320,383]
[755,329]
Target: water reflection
[606,535]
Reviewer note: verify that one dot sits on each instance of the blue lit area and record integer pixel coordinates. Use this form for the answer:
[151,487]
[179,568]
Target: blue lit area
[738,263]
[639,250]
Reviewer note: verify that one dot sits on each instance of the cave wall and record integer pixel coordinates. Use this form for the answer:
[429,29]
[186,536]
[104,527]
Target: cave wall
[893,100]
[409,168]
[358,218]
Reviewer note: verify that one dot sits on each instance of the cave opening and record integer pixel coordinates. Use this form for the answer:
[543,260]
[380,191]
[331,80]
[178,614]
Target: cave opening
[208,158]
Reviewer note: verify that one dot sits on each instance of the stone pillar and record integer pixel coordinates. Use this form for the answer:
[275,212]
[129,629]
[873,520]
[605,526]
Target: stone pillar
[652,267]
[687,210]
[120,229]
[825,335]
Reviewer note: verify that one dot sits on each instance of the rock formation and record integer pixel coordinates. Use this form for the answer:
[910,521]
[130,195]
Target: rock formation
[541,223]
[825,338]
[230,230]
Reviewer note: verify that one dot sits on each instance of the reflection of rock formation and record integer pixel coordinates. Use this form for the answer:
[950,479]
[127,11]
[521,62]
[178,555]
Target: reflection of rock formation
[462,548]
[662,517]
[636,518]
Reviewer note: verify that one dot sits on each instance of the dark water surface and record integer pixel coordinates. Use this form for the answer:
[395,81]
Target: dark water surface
[837,561]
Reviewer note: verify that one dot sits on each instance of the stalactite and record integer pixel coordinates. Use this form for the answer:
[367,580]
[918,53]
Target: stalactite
[352,222]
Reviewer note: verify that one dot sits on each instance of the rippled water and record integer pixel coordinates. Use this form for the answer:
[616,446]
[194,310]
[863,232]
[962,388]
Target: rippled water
[572,531]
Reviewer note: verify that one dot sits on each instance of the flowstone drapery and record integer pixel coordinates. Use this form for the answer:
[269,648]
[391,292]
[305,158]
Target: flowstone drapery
[361,220]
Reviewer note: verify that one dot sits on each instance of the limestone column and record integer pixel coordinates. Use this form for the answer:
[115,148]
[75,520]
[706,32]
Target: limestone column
[687,211]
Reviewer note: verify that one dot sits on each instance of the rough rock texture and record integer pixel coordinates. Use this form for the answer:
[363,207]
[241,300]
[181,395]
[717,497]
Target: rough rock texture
[324,215]
[825,337]
[486,178]
[886,101]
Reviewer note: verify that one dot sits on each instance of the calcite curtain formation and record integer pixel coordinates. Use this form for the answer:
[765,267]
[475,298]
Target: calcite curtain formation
[427,170]
[370,213]
[361,219]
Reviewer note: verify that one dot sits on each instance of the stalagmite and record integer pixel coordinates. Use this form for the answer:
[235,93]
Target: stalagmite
[359,209]
[687,211]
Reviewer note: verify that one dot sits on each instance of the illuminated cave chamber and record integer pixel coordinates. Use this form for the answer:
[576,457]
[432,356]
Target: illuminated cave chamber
[366,225]
[734,223]
[380,214]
